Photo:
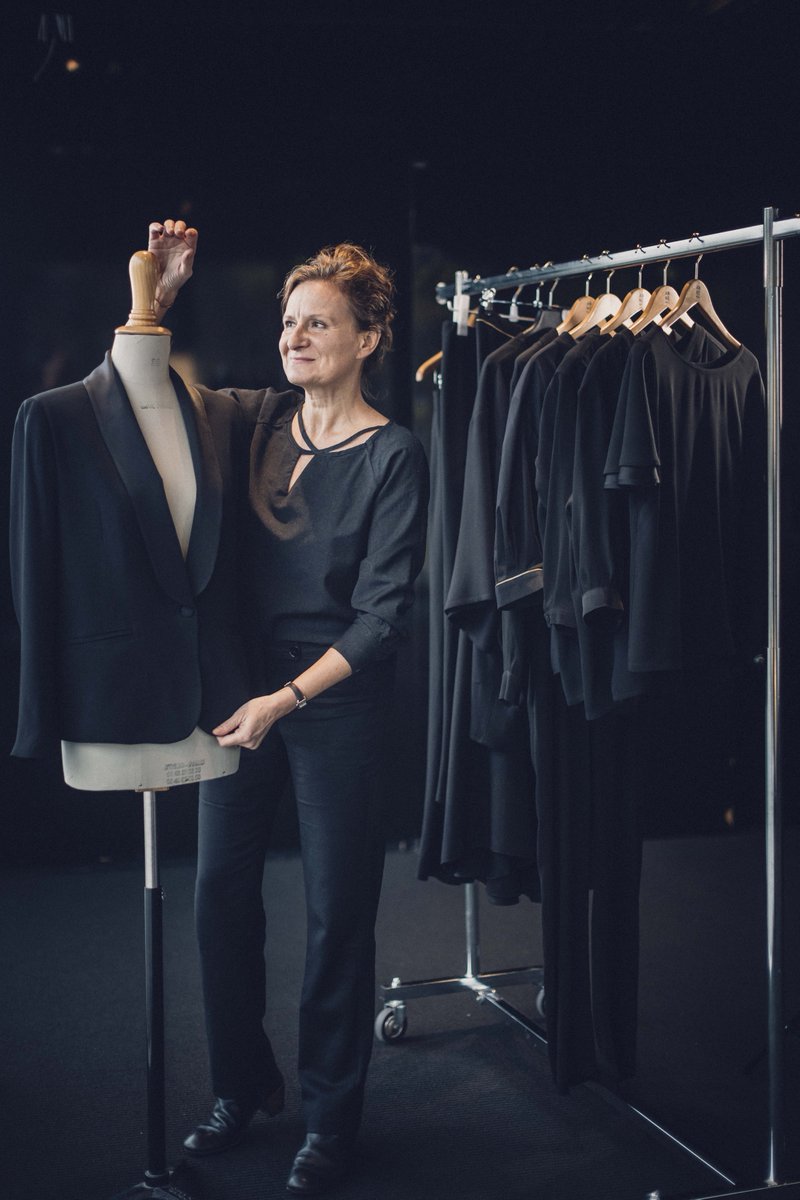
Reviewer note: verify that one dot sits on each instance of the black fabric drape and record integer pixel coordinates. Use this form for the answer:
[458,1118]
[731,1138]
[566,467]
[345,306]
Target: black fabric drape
[539,706]
[479,820]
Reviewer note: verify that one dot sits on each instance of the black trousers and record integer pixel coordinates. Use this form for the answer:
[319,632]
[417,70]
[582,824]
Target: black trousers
[333,753]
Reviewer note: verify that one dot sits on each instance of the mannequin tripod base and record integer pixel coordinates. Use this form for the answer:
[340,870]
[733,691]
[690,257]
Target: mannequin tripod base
[173,1187]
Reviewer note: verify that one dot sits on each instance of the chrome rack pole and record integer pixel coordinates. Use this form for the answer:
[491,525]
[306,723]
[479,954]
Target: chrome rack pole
[473,963]
[773,283]
[749,235]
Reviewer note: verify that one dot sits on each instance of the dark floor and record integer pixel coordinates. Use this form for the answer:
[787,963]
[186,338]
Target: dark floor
[462,1106]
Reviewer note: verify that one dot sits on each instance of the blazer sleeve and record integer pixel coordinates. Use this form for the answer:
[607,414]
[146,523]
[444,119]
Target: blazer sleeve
[34,578]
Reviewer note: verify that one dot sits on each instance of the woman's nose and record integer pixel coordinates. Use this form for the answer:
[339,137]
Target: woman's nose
[296,336]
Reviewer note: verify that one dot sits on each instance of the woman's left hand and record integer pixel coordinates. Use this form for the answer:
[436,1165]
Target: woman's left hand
[173,244]
[251,723]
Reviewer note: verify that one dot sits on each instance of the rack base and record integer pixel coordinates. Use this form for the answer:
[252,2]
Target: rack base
[392,1022]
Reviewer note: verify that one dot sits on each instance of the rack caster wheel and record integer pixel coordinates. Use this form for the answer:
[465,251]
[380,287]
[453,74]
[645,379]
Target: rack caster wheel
[391,1023]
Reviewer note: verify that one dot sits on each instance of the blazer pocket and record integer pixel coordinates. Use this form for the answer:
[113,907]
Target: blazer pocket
[104,636]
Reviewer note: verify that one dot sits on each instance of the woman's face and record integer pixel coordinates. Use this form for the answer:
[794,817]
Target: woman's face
[321,344]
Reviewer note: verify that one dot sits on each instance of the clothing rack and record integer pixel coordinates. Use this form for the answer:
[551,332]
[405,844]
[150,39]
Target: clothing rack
[391,1022]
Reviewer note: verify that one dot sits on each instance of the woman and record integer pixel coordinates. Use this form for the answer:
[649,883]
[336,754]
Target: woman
[338,497]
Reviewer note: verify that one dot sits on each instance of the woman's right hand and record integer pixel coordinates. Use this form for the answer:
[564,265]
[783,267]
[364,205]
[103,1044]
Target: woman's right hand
[173,246]
[251,723]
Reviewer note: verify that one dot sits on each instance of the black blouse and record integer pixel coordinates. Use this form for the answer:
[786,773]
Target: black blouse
[333,559]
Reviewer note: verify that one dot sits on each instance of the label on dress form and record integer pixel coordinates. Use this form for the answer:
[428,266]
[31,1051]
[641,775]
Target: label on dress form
[183,772]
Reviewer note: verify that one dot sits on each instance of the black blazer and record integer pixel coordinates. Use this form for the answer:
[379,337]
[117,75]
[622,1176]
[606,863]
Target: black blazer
[121,639]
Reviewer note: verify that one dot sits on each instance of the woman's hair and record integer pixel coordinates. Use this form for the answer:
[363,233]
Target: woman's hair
[366,285]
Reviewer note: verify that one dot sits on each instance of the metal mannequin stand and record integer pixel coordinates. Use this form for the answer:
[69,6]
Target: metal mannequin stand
[158,1179]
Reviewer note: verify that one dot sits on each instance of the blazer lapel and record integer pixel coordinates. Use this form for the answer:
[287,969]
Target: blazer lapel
[204,540]
[128,449]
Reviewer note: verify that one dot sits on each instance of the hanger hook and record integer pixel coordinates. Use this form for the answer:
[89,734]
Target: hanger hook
[608,280]
[552,293]
[586,258]
[666,268]
[697,266]
[536,300]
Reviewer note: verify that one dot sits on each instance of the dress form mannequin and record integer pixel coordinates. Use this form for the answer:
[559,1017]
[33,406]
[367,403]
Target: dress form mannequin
[140,354]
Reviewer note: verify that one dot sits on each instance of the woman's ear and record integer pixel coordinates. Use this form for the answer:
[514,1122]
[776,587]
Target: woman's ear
[369,340]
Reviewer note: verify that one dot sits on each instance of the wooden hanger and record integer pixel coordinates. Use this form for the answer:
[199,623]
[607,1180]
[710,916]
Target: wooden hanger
[605,306]
[424,367]
[577,313]
[662,299]
[695,294]
[632,306]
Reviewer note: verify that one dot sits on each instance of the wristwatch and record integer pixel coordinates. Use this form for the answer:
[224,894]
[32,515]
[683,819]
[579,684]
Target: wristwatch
[300,699]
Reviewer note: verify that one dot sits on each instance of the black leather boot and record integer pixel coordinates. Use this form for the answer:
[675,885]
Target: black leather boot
[322,1160]
[229,1119]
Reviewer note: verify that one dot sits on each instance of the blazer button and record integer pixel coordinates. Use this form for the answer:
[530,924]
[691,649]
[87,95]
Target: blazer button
[186,611]
[294,652]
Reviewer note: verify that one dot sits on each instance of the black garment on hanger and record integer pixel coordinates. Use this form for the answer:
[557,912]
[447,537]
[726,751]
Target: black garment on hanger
[485,828]
[588,844]
[599,524]
[454,391]
[582,652]
[588,790]
[518,551]
[554,469]
[692,455]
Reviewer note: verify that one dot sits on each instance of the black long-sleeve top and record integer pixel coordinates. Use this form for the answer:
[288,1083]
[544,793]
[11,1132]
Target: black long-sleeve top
[333,559]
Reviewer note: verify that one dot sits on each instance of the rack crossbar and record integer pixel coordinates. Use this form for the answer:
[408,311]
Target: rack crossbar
[750,235]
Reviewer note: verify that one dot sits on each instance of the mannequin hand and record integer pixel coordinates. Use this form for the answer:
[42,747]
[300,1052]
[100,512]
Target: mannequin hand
[174,247]
[250,724]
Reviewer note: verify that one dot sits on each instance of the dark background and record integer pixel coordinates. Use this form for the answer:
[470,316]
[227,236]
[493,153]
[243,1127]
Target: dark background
[443,136]
[440,135]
